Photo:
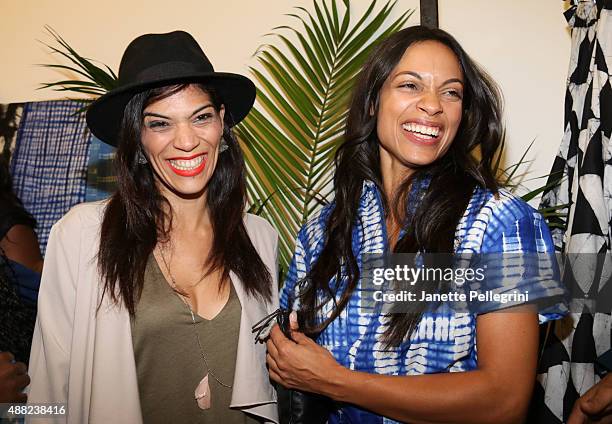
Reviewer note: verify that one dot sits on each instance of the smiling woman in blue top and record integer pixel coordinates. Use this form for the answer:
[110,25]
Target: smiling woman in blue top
[406,181]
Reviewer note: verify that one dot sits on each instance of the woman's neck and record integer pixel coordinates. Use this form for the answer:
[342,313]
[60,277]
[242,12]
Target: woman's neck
[393,174]
[189,215]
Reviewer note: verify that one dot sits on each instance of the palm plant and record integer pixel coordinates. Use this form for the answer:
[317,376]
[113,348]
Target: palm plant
[98,80]
[291,135]
[512,177]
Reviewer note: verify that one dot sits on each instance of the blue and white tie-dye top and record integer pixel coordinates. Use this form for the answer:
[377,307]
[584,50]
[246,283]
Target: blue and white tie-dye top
[442,342]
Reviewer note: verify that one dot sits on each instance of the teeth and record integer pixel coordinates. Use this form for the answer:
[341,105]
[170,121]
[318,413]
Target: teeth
[421,129]
[187,165]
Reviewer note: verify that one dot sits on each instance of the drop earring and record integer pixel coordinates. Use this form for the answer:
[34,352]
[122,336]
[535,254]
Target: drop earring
[141,158]
[223,146]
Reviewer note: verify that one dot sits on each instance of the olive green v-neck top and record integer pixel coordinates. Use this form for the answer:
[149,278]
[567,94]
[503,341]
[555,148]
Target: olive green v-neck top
[169,362]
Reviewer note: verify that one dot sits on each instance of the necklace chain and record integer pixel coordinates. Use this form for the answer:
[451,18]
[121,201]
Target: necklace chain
[182,297]
[173,283]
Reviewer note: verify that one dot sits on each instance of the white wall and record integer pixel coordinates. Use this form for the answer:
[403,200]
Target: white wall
[524,44]
[229,31]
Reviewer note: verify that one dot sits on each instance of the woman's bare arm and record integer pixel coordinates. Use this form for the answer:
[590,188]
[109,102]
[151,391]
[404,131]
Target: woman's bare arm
[498,391]
[21,245]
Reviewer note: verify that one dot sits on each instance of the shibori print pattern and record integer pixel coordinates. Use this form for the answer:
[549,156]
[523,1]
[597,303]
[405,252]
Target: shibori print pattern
[566,370]
[49,164]
[442,342]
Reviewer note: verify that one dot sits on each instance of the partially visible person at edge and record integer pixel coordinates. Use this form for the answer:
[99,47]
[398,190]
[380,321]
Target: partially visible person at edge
[13,379]
[147,299]
[406,181]
[20,257]
[18,240]
[20,266]
[595,406]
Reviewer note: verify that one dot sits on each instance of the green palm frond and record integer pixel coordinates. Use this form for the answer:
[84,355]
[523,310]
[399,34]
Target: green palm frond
[512,177]
[304,81]
[555,216]
[99,80]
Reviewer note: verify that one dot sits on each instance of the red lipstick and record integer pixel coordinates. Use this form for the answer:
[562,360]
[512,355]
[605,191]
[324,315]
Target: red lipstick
[188,172]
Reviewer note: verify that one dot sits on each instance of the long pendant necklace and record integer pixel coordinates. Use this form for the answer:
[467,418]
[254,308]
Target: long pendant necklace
[202,391]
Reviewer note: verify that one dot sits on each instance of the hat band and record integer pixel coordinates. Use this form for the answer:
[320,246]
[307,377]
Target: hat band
[170,70]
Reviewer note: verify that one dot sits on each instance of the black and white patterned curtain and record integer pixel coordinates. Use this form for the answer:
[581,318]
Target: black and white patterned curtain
[584,164]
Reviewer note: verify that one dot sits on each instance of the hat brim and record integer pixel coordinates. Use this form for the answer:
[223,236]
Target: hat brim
[105,114]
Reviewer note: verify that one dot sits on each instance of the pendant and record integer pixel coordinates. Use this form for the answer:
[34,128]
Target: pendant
[202,393]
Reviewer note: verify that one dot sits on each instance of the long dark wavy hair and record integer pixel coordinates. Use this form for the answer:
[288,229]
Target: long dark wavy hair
[134,220]
[431,225]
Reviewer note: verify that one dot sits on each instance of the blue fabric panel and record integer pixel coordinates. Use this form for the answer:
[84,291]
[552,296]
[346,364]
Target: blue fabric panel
[49,164]
[101,179]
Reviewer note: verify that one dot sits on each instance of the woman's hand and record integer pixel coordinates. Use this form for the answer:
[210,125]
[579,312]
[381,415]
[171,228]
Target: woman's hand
[13,379]
[595,406]
[301,363]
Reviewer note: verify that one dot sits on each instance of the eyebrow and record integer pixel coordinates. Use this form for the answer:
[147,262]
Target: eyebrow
[157,115]
[417,76]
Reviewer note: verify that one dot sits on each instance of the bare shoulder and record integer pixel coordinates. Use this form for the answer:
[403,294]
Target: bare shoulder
[19,232]
[20,244]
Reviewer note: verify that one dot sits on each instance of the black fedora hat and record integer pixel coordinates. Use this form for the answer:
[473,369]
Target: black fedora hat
[154,60]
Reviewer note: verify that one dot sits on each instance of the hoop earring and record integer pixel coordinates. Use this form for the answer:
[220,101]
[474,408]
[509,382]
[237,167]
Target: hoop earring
[141,158]
[223,146]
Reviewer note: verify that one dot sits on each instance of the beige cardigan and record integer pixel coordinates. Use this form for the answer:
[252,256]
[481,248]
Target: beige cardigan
[87,361]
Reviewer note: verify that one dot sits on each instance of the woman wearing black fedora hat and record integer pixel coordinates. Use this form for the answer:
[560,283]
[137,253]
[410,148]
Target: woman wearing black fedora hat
[147,299]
